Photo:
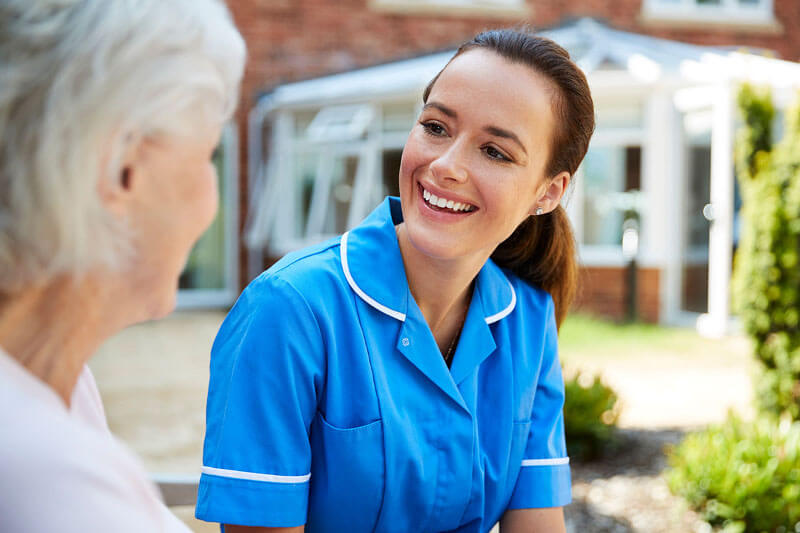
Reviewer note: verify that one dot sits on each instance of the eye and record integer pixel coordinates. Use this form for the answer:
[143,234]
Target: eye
[496,154]
[434,128]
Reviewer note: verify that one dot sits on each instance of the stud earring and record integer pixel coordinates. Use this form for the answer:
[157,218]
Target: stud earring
[539,211]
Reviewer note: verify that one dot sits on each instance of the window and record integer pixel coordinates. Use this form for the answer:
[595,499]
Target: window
[210,276]
[611,181]
[500,8]
[333,166]
[722,11]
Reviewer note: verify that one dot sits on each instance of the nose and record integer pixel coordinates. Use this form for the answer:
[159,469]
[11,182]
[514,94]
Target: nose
[450,164]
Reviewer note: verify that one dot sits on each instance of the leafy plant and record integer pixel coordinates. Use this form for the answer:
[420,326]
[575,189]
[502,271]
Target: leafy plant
[767,271]
[740,476]
[591,410]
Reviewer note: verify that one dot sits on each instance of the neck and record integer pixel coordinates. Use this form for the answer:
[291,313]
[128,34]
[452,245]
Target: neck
[441,288]
[53,330]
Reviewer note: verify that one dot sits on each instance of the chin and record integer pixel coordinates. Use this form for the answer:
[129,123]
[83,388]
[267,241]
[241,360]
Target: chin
[436,246]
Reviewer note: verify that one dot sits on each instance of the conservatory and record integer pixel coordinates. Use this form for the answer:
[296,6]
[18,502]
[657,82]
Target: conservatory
[659,174]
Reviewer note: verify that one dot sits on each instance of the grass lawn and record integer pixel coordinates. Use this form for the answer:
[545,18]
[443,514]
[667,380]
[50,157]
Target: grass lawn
[586,338]
[664,377]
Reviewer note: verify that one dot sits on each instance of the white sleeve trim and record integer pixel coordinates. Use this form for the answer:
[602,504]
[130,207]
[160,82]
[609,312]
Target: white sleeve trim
[253,476]
[546,462]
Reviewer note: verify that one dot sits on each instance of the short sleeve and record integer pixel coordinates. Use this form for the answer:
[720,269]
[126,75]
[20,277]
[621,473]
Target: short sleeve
[544,478]
[267,366]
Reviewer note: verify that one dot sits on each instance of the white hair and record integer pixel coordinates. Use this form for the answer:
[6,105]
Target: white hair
[79,81]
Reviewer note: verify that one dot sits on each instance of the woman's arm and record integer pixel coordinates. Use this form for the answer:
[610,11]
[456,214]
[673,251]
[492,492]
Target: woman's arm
[547,520]
[247,529]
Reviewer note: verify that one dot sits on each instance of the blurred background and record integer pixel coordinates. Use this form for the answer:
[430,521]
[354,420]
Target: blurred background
[686,210]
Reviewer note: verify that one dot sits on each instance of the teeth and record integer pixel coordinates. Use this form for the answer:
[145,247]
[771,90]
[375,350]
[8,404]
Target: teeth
[443,202]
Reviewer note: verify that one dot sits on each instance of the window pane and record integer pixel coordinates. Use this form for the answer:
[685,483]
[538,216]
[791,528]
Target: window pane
[391,173]
[398,116]
[205,268]
[709,2]
[344,173]
[608,172]
[305,168]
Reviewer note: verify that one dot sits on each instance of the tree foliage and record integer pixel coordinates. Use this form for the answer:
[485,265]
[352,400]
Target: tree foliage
[767,275]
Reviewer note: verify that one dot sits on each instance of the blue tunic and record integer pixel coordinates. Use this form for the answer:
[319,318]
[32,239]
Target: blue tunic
[330,404]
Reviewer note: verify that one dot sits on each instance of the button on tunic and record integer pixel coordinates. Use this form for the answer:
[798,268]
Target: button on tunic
[330,404]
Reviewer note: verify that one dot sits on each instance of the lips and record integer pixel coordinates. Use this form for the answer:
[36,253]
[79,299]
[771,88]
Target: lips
[445,204]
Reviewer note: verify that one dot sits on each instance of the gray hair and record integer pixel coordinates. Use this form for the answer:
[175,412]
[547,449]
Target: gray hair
[79,81]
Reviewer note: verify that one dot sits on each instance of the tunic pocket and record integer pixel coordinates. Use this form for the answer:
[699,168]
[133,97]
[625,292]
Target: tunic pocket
[347,477]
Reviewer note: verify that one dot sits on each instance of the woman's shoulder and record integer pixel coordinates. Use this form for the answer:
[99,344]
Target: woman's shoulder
[306,271]
[529,297]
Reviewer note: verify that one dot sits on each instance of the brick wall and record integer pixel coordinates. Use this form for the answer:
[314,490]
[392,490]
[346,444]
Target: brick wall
[604,291]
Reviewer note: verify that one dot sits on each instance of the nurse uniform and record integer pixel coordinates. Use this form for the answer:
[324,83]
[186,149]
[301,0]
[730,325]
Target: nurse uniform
[330,404]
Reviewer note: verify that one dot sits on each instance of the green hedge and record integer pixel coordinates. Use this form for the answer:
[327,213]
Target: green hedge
[766,283]
[591,410]
[742,477]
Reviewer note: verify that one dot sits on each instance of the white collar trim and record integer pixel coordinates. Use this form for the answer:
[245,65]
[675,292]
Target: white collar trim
[364,296]
[502,314]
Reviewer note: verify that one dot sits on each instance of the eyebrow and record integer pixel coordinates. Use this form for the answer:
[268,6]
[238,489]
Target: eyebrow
[499,132]
[492,130]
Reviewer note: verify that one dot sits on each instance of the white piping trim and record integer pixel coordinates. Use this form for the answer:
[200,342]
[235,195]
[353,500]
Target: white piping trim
[502,314]
[556,461]
[364,296]
[238,474]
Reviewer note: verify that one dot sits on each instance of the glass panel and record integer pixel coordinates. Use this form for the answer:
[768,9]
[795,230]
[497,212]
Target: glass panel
[694,293]
[609,173]
[205,268]
[305,169]
[391,173]
[344,173]
[302,119]
[709,2]
[398,116]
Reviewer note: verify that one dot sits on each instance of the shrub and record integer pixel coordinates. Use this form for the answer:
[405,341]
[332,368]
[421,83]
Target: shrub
[767,271]
[741,476]
[590,416]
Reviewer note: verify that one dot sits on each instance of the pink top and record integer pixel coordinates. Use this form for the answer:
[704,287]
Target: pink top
[62,470]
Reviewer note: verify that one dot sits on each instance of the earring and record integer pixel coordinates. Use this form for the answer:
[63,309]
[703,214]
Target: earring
[539,211]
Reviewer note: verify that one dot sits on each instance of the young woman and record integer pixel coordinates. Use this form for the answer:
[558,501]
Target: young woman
[404,377]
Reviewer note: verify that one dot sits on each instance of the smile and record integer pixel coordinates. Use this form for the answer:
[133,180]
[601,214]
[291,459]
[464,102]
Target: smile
[443,203]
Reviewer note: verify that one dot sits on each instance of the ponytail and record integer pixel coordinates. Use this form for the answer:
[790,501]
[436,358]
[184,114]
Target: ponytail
[542,249]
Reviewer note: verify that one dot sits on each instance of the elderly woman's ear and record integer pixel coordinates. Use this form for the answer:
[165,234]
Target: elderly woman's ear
[115,190]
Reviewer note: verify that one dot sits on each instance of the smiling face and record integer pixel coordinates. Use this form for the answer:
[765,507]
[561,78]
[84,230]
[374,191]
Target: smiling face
[473,167]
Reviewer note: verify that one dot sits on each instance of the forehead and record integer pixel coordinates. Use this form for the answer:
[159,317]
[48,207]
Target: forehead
[483,86]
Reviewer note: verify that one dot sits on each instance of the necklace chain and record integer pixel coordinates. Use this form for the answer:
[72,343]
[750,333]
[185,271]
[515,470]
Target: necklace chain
[448,355]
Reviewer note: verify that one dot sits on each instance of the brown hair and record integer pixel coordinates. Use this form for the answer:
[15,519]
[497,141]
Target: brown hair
[542,248]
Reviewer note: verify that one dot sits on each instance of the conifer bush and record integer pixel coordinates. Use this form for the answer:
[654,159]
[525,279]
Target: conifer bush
[766,284]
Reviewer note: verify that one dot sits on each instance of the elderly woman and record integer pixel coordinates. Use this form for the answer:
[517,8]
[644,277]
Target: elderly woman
[109,114]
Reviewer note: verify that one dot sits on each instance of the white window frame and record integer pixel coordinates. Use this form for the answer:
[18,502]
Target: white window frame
[483,8]
[730,11]
[601,255]
[211,298]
